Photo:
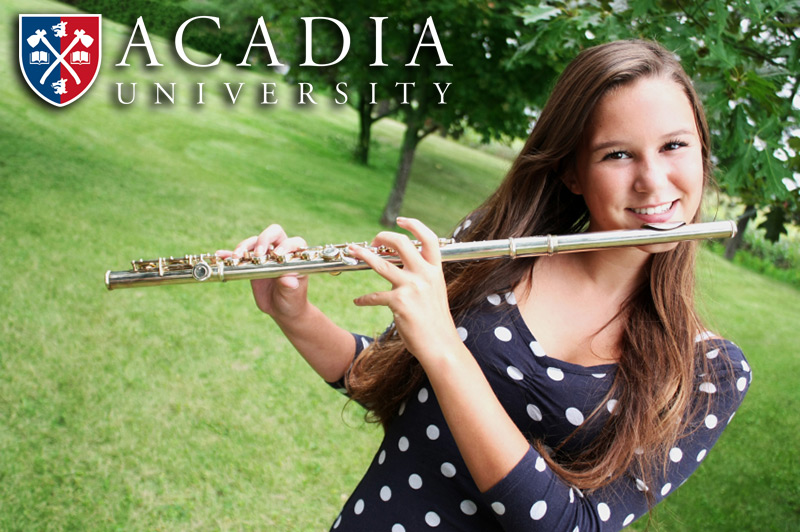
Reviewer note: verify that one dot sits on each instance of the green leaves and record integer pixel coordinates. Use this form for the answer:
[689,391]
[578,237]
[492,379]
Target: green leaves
[744,57]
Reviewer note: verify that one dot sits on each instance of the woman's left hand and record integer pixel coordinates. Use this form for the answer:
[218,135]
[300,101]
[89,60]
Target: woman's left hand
[418,298]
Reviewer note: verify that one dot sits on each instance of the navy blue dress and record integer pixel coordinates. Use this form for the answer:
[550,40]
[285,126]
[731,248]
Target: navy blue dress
[418,480]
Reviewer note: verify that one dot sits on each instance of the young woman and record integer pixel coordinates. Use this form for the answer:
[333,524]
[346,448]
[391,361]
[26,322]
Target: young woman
[570,392]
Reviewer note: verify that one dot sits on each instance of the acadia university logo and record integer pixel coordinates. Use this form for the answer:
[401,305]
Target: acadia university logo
[59,55]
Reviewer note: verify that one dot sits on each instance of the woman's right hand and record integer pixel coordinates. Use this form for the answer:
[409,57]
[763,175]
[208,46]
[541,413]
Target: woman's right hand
[282,298]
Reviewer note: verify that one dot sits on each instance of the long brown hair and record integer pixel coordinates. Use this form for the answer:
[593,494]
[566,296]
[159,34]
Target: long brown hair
[655,371]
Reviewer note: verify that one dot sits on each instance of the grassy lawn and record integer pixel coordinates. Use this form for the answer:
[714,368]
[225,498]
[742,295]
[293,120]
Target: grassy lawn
[182,408]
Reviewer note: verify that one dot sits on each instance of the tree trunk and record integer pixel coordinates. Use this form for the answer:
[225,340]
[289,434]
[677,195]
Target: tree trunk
[364,129]
[733,244]
[395,202]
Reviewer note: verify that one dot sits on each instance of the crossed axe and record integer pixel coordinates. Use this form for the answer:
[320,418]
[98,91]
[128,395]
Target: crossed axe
[80,36]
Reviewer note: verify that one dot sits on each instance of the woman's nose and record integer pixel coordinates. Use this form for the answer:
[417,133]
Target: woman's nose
[651,175]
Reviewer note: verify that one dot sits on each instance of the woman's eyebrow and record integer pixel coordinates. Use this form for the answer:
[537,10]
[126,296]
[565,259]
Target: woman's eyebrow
[614,142]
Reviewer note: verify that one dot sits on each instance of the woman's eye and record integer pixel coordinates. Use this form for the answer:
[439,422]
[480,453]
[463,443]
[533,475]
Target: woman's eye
[615,156]
[674,145]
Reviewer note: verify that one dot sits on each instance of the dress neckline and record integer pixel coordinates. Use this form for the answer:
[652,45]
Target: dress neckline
[544,359]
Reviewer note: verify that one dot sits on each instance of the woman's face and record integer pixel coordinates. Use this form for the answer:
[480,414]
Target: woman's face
[641,158]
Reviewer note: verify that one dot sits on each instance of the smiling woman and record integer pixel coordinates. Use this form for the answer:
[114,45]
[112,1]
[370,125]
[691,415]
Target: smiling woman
[561,393]
[641,160]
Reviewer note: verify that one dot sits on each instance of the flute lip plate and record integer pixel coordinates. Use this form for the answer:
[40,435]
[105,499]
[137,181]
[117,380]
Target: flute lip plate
[666,226]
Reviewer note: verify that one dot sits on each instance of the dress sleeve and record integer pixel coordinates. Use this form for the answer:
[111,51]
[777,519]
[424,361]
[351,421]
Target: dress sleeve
[533,497]
[362,342]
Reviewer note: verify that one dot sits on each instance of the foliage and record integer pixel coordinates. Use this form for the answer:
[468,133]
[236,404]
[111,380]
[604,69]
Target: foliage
[744,57]
[477,88]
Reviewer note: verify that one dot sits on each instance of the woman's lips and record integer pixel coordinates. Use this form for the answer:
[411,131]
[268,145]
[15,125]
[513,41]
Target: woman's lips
[659,213]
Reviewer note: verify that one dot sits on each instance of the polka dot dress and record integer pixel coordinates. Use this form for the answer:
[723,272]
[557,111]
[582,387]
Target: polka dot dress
[418,481]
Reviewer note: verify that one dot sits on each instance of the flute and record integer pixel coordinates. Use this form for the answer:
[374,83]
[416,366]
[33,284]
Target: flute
[334,259]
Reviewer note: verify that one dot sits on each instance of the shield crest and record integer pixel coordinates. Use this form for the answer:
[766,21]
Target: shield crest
[59,55]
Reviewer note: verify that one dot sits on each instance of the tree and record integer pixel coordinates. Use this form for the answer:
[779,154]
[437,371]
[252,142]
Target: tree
[446,67]
[744,58]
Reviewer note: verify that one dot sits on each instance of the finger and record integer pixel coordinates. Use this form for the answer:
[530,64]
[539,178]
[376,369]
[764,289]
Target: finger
[406,250]
[374,299]
[431,251]
[269,238]
[289,245]
[382,267]
[243,246]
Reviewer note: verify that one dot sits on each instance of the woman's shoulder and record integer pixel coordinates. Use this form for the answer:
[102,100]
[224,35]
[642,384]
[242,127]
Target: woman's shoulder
[718,348]
[725,358]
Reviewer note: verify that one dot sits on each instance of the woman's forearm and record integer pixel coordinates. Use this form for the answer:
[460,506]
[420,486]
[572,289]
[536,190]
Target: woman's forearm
[327,348]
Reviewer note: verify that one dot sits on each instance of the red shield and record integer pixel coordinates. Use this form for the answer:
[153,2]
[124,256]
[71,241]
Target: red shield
[59,55]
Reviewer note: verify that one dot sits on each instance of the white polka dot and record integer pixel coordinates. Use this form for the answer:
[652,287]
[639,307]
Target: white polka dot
[514,373]
[741,384]
[638,450]
[402,444]
[598,375]
[511,299]
[711,421]
[469,507]
[398,528]
[534,412]
[576,529]
[462,333]
[458,230]
[536,348]
[359,507]
[603,511]
[628,520]
[707,387]
[675,454]
[415,481]
[571,496]
[665,489]
[402,408]
[704,336]
[432,519]
[555,374]
[502,334]
[611,405]
[745,366]
[574,416]
[712,354]
[701,455]
[386,493]
[494,299]
[338,522]
[540,464]
[423,395]
[538,510]
[448,470]
[467,222]
[382,457]
[432,432]
[730,418]
[498,508]
[640,485]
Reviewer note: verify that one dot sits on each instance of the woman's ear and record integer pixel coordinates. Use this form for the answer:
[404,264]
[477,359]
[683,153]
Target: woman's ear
[570,180]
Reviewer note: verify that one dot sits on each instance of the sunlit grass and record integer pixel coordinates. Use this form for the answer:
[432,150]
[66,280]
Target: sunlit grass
[183,408]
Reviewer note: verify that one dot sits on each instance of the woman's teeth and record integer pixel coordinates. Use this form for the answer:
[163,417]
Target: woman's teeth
[660,209]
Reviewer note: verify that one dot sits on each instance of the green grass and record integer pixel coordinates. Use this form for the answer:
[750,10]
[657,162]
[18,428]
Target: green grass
[182,408]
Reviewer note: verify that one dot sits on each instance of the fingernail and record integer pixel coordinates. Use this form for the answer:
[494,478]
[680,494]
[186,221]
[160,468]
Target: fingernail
[279,251]
[259,251]
[401,219]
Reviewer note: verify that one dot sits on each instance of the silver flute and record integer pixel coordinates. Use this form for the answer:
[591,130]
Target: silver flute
[335,258]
